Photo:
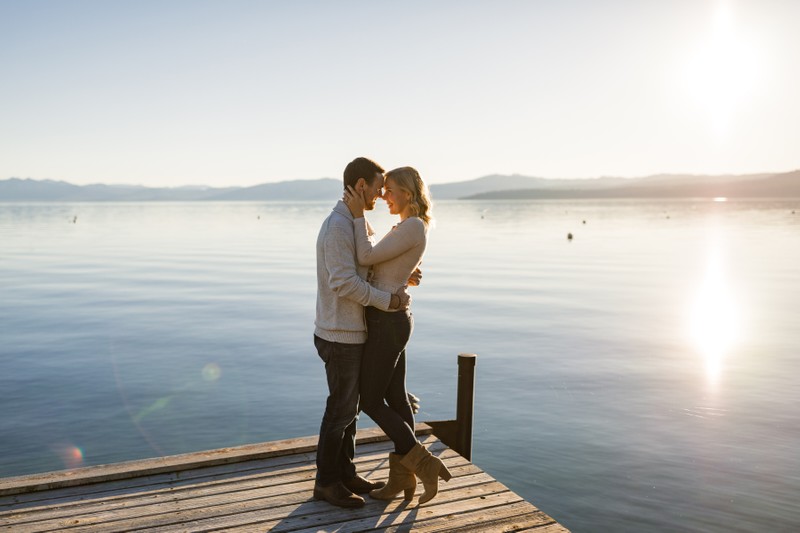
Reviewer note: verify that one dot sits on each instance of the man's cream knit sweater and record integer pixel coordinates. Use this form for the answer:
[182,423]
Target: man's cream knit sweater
[342,290]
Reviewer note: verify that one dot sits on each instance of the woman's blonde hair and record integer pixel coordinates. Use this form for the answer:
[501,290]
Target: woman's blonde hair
[409,180]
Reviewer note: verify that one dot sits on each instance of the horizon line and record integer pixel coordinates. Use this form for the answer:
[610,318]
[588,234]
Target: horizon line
[515,174]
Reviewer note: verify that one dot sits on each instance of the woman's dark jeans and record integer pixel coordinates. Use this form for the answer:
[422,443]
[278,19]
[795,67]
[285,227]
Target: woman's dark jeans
[337,434]
[383,375]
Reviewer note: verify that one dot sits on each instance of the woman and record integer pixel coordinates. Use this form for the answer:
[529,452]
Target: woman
[383,367]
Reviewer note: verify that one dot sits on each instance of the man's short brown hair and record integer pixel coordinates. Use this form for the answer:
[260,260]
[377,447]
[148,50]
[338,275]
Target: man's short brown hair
[361,167]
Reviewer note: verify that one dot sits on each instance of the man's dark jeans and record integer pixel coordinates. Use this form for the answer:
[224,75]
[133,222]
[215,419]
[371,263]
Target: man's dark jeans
[337,434]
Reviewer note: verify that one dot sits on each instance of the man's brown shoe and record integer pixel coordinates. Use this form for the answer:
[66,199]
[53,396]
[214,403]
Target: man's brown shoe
[360,485]
[339,495]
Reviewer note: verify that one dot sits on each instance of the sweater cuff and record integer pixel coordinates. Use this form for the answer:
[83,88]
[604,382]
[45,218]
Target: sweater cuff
[381,299]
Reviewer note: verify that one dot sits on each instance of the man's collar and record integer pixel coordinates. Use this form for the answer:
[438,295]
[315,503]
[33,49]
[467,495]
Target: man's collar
[342,209]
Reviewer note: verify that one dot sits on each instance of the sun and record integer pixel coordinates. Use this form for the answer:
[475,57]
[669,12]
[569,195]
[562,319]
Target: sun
[722,71]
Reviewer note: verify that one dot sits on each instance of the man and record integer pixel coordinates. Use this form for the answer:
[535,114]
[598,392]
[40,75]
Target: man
[339,336]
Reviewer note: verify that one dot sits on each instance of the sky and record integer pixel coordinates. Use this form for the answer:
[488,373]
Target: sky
[235,93]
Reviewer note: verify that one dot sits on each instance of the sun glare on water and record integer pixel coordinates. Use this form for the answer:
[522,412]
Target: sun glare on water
[714,319]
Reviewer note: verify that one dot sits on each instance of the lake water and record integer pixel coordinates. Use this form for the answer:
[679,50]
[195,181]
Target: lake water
[640,377]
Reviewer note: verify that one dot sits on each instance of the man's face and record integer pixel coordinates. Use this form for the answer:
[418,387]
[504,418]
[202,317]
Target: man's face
[373,192]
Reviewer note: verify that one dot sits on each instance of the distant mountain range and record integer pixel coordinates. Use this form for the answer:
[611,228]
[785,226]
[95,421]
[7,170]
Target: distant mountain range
[784,185]
[495,187]
[28,190]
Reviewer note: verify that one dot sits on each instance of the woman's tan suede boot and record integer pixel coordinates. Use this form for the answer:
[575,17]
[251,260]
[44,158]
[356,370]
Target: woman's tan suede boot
[400,478]
[428,468]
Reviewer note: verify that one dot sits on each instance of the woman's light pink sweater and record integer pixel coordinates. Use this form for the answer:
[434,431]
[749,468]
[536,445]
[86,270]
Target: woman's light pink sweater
[394,257]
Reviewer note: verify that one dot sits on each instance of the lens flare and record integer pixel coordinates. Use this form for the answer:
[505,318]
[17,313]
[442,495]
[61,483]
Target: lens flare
[211,372]
[71,456]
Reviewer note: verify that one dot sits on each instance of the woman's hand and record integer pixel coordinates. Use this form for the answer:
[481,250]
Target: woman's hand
[355,202]
[415,278]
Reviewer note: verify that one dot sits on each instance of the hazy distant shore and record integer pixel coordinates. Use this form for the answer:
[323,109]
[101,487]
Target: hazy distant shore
[495,187]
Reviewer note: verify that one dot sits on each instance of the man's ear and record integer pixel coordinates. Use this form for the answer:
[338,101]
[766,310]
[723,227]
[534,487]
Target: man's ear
[360,184]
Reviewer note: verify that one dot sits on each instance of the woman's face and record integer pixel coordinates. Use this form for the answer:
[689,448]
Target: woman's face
[396,198]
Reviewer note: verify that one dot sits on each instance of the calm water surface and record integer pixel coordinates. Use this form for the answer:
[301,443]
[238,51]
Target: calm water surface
[640,377]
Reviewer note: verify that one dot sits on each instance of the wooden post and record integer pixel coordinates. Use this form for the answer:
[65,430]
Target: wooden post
[465,403]
[457,434]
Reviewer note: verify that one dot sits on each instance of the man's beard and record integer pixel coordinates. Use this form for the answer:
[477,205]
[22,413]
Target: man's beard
[369,206]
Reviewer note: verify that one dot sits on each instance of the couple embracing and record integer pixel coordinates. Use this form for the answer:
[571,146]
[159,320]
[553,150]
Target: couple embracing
[363,324]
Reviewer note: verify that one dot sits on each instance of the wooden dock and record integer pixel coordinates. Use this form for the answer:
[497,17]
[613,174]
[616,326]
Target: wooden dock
[260,487]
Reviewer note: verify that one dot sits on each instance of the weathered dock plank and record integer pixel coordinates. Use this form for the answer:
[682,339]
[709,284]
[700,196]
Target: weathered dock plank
[260,487]
[175,479]
[157,507]
[174,464]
